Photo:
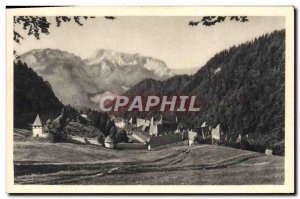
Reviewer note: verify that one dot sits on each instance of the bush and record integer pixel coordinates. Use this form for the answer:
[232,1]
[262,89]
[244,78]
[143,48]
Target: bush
[278,149]
[82,120]
[215,141]
[199,139]
[86,141]
[55,129]
[121,136]
[101,139]
[58,136]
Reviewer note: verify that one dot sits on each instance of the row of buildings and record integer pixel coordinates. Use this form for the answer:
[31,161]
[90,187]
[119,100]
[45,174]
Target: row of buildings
[148,133]
[163,132]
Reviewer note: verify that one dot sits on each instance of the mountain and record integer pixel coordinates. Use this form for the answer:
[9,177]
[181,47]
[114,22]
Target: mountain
[241,88]
[65,72]
[32,96]
[116,71]
[79,82]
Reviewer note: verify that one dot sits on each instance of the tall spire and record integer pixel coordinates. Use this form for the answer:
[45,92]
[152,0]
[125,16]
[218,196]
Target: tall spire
[37,121]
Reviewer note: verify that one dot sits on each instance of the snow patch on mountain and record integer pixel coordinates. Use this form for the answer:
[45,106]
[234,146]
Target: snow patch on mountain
[118,60]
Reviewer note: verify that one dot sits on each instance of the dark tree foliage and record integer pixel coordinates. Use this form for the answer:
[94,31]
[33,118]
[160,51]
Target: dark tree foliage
[101,121]
[33,25]
[32,95]
[98,120]
[118,135]
[113,132]
[56,129]
[213,20]
[37,25]
[77,19]
[101,139]
[82,120]
[109,126]
[241,88]
[200,140]
[71,113]
[17,38]
[110,17]
[121,136]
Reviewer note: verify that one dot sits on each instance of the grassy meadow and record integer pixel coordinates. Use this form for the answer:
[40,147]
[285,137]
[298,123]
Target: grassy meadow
[40,162]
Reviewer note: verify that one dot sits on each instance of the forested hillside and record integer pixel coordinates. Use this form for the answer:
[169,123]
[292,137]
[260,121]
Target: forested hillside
[32,95]
[241,88]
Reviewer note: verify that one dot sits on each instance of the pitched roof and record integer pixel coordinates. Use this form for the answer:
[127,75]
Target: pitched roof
[166,139]
[142,136]
[37,121]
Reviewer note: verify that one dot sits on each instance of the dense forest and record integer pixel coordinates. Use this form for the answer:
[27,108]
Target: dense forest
[241,88]
[32,95]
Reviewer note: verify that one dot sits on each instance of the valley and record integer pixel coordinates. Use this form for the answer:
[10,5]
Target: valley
[238,103]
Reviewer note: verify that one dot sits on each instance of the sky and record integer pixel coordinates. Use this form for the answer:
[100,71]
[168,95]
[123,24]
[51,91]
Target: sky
[170,39]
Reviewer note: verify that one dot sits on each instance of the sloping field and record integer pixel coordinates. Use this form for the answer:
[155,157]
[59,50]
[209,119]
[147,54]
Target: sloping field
[65,163]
